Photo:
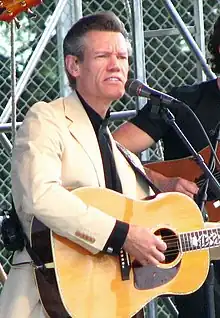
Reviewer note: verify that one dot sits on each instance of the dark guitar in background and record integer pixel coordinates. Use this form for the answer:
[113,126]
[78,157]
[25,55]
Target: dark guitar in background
[188,169]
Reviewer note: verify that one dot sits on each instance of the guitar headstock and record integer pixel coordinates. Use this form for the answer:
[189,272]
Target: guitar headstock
[9,9]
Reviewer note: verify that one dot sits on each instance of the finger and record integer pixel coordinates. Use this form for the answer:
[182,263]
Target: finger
[160,244]
[152,260]
[160,257]
[186,191]
[193,189]
[189,194]
[187,187]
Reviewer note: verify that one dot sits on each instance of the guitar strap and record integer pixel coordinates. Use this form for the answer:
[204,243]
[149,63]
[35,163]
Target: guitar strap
[136,168]
[14,238]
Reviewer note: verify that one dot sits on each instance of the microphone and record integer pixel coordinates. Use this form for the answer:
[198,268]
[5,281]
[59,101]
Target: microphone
[137,88]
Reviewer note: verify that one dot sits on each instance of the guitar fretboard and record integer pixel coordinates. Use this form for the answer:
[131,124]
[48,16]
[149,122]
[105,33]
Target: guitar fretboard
[200,239]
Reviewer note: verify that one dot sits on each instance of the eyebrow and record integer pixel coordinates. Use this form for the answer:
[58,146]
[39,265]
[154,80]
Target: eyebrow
[109,52]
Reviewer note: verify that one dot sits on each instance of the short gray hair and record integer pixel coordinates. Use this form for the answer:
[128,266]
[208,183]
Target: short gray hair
[73,43]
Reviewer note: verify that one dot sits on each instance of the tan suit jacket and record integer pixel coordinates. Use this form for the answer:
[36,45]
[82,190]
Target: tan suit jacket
[56,149]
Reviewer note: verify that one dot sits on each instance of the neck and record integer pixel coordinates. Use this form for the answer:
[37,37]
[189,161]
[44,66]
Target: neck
[102,110]
[100,106]
[201,239]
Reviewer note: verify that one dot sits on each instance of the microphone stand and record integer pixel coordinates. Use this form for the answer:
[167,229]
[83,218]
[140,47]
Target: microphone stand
[201,199]
[170,119]
[159,107]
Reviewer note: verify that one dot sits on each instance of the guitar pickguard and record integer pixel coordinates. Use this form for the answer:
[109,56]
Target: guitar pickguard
[149,276]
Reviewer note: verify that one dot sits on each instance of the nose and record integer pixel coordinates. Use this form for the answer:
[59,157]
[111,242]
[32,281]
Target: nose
[113,64]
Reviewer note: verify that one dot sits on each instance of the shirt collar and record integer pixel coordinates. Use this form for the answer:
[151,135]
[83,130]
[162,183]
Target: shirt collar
[96,120]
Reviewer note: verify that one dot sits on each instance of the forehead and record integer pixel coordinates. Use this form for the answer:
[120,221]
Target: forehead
[105,41]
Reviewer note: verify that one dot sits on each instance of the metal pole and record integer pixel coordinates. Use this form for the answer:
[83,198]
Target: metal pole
[13,82]
[188,38]
[7,127]
[200,34]
[30,66]
[170,306]
[3,275]
[71,13]
[124,114]
[34,59]
[6,143]
[138,46]
[151,309]
[140,73]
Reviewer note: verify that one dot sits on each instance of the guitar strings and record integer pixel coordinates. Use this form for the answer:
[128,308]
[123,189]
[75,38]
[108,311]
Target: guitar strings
[173,245]
[202,181]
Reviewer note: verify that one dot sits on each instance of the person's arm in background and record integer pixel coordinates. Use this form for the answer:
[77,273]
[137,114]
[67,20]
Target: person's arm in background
[169,184]
[133,138]
[136,140]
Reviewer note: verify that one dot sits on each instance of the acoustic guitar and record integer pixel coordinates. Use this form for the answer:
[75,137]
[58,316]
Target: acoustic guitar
[76,283]
[188,169]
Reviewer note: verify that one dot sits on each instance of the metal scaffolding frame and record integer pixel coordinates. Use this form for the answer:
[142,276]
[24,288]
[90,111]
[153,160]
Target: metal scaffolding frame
[135,15]
[29,70]
[139,58]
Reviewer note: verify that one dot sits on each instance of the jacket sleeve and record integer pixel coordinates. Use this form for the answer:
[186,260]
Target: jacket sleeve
[37,185]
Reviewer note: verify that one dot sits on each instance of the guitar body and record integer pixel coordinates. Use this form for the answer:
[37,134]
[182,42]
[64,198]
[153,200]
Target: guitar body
[188,169]
[83,285]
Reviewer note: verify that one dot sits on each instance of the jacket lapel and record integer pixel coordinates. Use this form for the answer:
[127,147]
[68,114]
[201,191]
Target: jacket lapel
[82,130]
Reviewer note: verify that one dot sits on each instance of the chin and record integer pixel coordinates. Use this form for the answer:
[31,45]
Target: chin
[117,95]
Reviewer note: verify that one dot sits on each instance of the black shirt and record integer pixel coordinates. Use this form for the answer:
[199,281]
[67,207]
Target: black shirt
[204,100]
[112,181]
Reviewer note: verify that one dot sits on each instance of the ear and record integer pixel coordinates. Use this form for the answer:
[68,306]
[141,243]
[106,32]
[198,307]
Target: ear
[72,65]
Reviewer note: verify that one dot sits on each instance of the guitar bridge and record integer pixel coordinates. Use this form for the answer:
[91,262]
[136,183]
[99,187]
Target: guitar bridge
[125,265]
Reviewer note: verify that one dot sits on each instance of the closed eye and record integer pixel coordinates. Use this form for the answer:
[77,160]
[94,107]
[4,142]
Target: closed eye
[102,55]
[123,57]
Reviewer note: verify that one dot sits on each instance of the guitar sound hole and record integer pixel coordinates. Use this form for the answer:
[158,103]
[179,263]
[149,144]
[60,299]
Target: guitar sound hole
[172,241]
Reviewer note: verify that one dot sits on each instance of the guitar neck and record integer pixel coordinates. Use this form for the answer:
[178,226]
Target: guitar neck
[199,240]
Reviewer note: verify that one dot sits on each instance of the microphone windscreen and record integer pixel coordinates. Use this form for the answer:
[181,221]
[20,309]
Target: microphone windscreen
[132,87]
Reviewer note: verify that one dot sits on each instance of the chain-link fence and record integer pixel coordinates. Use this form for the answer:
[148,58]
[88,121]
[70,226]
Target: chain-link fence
[168,61]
